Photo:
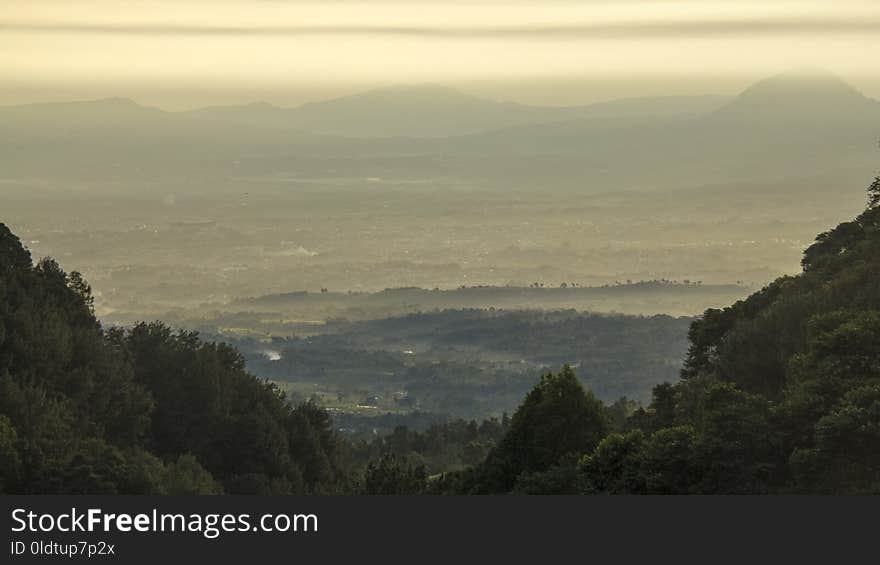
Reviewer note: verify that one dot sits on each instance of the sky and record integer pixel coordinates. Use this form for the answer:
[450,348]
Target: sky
[179,54]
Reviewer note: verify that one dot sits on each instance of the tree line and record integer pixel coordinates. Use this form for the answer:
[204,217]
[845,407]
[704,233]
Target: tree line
[780,393]
[142,410]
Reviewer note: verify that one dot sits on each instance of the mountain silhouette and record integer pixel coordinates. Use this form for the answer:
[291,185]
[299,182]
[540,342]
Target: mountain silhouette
[794,124]
[805,95]
[431,111]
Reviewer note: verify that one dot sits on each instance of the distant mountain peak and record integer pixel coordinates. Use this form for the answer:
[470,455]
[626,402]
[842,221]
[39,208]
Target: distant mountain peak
[118,103]
[798,91]
[804,81]
[85,111]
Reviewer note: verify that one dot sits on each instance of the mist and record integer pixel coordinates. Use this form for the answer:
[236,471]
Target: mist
[349,191]
[277,247]
[178,55]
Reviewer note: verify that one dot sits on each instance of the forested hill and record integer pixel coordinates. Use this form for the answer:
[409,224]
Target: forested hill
[84,410]
[753,342]
[780,393]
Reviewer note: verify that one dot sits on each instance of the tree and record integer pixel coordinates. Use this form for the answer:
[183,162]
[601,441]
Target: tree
[562,478]
[142,410]
[874,193]
[736,444]
[186,476]
[394,474]
[10,462]
[615,466]
[670,460]
[557,418]
[845,458]
[843,353]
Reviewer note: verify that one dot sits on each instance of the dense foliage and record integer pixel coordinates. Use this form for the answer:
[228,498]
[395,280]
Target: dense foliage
[471,363]
[144,410]
[780,393]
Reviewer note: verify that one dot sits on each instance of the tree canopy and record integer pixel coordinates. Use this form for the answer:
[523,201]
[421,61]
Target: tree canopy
[780,393]
[140,410]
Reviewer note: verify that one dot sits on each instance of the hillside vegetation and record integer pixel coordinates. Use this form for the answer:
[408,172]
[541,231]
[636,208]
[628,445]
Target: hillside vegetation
[145,410]
[808,347]
[779,393]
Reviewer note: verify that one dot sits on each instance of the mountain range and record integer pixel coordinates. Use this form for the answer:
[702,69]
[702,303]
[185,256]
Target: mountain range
[788,125]
[436,111]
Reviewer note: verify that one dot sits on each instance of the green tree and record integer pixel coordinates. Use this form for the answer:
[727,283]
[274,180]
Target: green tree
[143,410]
[557,418]
[737,445]
[615,466]
[561,478]
[186,476]
[845,458]
[394,474]
[874,193]
[10,462]
[671,462]
[843,353]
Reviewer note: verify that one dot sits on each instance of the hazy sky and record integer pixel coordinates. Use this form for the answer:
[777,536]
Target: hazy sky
[181,53]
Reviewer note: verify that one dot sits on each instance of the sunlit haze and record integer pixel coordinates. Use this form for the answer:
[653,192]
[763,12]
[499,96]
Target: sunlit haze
[186,53]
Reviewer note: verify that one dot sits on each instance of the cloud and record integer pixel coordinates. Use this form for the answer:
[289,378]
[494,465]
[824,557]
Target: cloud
[623,30]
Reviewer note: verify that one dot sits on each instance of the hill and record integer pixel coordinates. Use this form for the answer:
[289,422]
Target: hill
[434,111]
[466,363]
[800,95]
[780,393]
[785,126]
[145,410]
[782,128]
